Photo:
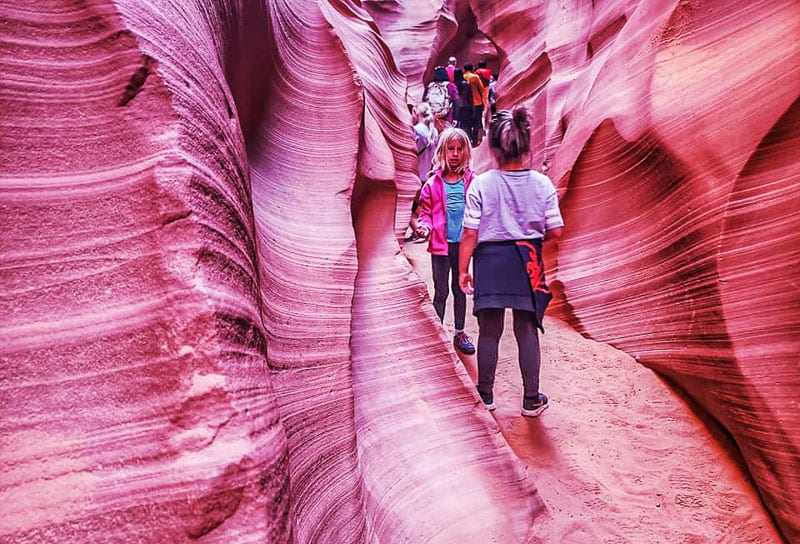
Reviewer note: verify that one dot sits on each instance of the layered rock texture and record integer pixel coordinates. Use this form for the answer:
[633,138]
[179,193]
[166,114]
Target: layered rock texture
[668,127]
[204,309]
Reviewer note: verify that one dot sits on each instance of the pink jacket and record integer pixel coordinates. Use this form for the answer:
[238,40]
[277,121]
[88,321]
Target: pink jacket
[432,212]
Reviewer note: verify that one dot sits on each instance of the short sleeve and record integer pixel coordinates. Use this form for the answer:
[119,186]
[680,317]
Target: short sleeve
[553,217]
[473,206]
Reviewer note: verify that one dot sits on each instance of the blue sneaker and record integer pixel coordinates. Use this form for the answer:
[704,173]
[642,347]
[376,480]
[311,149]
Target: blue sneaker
[463,343]
[532,407]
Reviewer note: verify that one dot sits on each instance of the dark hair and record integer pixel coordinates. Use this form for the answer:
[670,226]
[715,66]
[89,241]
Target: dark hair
[458,75]
[468,67]
[440,74]
[510,133]
[481,64]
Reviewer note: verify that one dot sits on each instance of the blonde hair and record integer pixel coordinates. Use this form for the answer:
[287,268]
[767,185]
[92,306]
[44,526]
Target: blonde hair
[421,111]
[510,133]
[440,156]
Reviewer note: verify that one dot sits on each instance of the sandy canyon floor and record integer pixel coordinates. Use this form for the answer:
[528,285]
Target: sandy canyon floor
[619,456]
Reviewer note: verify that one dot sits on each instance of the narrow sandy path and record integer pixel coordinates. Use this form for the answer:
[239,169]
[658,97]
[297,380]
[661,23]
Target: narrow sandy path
[618,457]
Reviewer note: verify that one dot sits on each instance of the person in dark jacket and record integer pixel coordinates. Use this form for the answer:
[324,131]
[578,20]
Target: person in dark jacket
[463,114]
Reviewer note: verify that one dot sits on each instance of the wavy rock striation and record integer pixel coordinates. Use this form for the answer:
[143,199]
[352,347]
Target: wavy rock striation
[668,128]
[200,207]
[204,307]
[136,400]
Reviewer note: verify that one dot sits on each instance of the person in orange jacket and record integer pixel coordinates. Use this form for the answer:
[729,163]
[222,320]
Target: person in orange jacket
[477,88]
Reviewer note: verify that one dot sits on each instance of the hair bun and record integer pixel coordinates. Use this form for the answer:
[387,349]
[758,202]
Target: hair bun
[521,116]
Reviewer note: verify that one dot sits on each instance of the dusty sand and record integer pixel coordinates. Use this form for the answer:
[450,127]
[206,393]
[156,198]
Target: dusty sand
[619,456]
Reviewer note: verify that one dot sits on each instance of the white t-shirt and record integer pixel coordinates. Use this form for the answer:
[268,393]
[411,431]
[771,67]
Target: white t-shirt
[426,137]
[511,205]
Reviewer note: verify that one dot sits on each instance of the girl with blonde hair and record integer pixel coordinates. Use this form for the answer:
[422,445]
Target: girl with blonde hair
[441,215]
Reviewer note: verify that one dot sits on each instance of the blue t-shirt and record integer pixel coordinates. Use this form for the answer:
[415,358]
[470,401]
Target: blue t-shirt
[454,204]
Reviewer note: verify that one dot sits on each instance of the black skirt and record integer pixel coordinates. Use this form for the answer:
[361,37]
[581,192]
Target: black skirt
[510,275]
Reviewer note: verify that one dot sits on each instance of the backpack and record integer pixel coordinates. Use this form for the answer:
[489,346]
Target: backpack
[438,98]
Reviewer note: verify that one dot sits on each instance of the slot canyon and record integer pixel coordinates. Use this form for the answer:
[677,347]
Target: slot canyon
[211,328]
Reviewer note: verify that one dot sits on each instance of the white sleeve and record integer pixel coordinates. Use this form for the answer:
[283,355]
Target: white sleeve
[553,217]
[473,205]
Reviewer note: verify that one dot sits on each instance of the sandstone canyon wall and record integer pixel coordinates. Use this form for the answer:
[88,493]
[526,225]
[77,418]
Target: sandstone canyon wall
[668,128]
[201,280]
[200,283]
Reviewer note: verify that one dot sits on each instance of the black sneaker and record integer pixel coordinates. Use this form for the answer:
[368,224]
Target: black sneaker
[488,400]
[532,407]
[463,343]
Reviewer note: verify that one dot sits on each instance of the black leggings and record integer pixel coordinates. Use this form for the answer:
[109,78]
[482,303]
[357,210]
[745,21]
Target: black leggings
[442,266]
[490,323]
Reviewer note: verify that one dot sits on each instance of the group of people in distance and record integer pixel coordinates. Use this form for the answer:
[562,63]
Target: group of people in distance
[463,97]
[498,220]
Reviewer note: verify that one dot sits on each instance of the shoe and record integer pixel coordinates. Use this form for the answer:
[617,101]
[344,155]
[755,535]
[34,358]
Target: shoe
[532,407]
[463,343]
[488,400]
[419,239]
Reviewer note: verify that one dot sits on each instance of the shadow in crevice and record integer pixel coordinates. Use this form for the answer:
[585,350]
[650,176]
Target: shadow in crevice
[604,36]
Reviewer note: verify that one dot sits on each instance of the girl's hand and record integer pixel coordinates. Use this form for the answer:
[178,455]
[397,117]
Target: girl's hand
[465,282]
[423,231]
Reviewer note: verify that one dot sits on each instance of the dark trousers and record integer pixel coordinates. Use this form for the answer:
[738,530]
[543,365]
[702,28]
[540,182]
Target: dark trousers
[478,121]
[442,267]
[478,118]
[490,325]
[467,123]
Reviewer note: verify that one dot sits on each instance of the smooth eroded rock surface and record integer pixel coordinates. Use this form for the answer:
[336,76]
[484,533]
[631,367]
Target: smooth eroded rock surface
[190,320]
[209,330]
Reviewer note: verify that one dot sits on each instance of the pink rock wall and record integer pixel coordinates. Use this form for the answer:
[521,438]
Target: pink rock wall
[668,127]
[137,405]
[199,215]
[204,309]
[422,35]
